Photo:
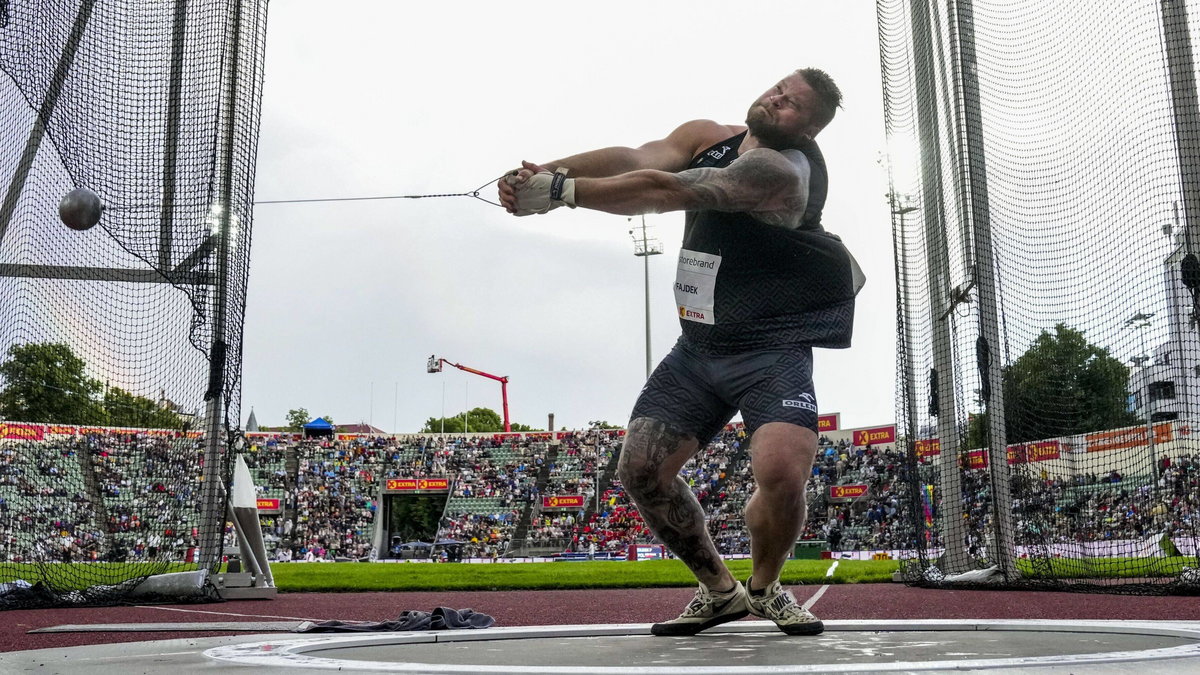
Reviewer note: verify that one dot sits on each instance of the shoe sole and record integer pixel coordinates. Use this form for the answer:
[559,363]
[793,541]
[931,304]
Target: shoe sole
[814,628]
[693,628]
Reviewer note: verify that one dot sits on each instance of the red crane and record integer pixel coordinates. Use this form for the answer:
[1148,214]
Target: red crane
[435,366]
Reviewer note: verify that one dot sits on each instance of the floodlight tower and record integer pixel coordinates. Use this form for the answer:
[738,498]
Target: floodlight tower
[435,366]
[644,247]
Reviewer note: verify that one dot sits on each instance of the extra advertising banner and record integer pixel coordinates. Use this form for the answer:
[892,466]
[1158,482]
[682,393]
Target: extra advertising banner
[268,505]
[1131,437]
[830,422]
[876,436]
[929,447]
[38,432]
[563,502]
[22,432]
[399,484]
[977,459]
[1034,452]
[847,491]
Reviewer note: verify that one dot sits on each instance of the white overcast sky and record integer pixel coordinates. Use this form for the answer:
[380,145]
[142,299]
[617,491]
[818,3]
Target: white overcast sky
[366,98]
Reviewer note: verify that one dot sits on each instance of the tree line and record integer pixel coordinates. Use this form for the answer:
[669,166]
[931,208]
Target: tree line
[1061,386]
[48,383]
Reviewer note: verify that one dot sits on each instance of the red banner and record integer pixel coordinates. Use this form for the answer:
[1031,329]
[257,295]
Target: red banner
[978,459]
[863,437]
[830,422]
[1040,452]
[929,447]
[417,484]
[1127,438]
[563,502]
[847,491]
[22,432]
[268,504]
[1033,452]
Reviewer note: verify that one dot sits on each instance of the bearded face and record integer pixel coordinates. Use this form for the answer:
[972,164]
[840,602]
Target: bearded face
[766,129]
[782,117]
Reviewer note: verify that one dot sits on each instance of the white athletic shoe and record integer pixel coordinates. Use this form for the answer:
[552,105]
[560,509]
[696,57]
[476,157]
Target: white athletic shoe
[781,607]
[706,610]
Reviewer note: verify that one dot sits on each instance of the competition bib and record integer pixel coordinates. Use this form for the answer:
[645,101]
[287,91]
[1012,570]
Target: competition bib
[695,283]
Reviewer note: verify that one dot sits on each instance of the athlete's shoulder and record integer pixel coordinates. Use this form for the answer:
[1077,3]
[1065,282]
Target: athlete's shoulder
[700,135]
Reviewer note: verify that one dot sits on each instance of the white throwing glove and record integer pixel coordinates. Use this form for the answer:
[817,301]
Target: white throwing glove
[544,192]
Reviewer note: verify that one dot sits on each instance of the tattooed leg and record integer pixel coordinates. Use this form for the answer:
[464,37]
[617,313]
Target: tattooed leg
[653,454]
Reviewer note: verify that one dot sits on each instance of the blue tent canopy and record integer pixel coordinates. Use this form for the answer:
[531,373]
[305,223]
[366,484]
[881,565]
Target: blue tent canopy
[318,427]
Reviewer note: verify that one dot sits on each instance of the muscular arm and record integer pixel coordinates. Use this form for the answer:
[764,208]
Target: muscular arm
[672,153]
[762,182]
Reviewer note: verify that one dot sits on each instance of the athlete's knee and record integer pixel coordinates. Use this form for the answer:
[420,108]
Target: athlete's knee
[652,455]
[781,457]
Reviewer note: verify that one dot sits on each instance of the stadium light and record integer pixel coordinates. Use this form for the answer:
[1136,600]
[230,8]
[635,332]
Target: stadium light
[644,247]
[1141,321]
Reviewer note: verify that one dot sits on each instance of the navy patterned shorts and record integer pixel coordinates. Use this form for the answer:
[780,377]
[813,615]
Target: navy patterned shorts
[700,393]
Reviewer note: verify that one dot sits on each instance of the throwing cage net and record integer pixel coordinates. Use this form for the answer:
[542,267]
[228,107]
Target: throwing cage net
[1046,217]
[120,346]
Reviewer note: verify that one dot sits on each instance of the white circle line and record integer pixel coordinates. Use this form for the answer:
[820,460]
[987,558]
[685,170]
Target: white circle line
[293,653]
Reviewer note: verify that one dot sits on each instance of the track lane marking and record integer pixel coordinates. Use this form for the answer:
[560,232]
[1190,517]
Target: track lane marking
[255,616]
[820,591]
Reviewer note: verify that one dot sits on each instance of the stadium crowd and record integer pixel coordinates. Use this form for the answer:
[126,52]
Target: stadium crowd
[114,496]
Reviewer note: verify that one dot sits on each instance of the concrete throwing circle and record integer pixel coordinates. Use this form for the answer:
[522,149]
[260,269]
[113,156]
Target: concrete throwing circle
[740,647]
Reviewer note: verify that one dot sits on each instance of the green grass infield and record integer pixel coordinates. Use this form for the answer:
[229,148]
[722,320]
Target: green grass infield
[338,577]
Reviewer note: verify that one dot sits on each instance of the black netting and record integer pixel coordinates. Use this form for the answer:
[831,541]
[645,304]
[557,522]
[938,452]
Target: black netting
[1045,203]
[120,345]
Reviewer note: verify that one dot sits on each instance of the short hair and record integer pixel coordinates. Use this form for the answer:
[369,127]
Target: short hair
[829,97]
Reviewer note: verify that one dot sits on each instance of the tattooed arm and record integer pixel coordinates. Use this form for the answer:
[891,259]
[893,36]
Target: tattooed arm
[770,185]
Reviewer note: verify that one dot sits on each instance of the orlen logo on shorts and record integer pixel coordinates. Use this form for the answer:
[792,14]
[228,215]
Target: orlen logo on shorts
[805,402]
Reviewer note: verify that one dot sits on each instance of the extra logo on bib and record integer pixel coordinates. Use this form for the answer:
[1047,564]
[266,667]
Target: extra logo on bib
[695,283]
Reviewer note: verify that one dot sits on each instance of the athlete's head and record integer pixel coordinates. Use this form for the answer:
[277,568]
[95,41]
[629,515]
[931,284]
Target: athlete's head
[794,110]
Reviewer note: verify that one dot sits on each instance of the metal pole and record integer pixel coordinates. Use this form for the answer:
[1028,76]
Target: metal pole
[1181,70]
[171,149]
[212,523]
[904,292]
[645,247]
[937,268]
[1149,407]
[973,169]
[646,272]
[45,112]
[1141,321]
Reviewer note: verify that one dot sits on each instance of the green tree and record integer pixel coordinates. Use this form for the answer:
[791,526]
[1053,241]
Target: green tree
[297,418]
[1061,386]
[415,517]
[478,419]
[123,409]
[601,424]
[48,383]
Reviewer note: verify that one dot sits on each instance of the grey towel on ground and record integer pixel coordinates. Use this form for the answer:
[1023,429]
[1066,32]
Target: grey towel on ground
[441,618]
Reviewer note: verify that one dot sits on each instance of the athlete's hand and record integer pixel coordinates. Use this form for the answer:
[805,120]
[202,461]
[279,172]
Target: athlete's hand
[543,192]
[513,181]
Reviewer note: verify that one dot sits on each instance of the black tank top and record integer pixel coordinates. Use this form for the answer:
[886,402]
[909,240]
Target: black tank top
[743,285]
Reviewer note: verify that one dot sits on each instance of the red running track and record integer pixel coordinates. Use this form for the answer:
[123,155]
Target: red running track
[529,608]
